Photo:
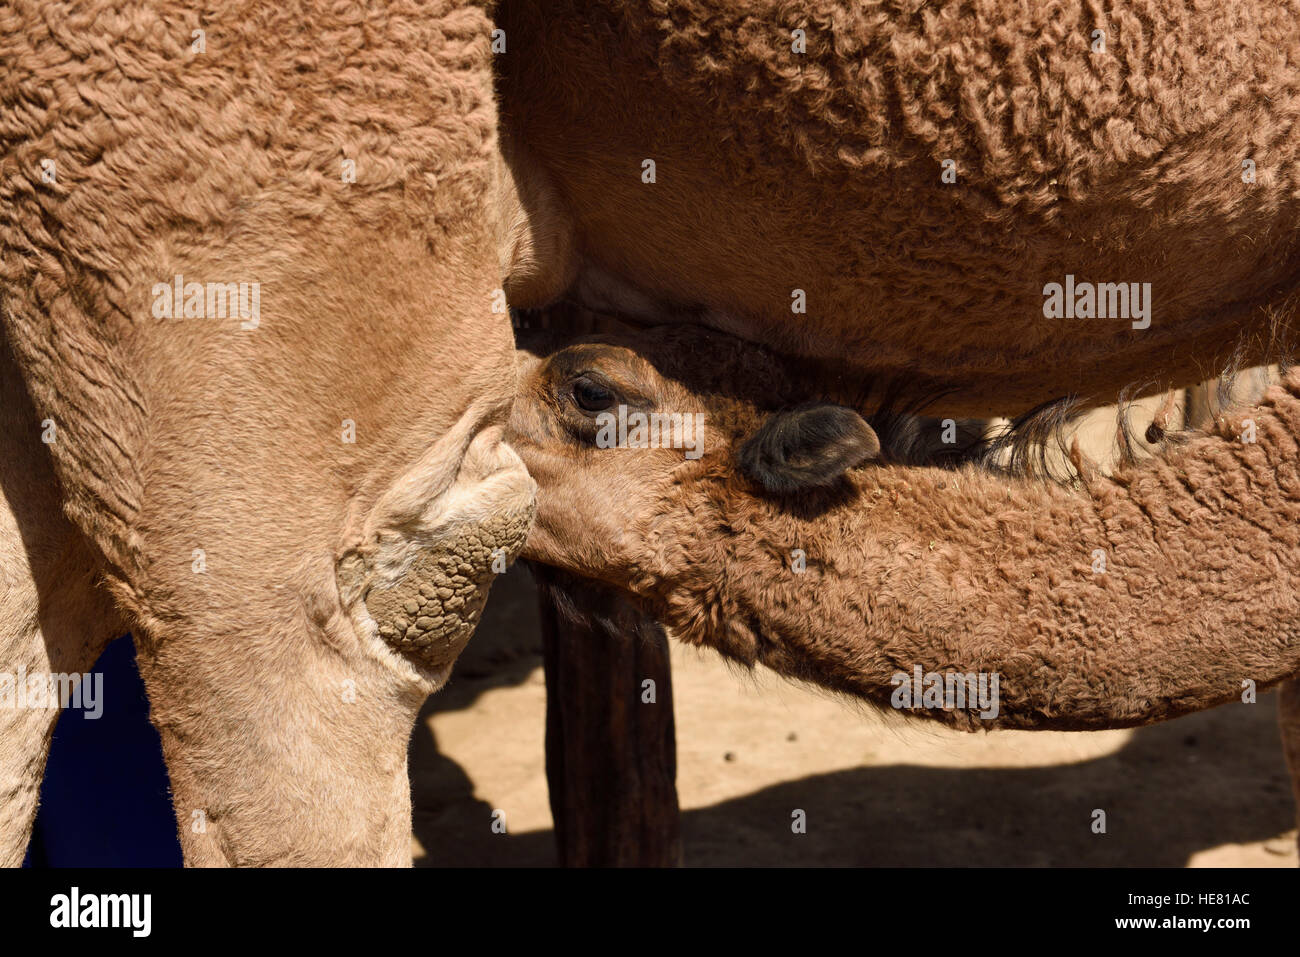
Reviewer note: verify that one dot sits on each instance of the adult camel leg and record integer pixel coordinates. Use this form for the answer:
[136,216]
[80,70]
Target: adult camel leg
[55,619]
[272,561]
[304,593]
[262,325]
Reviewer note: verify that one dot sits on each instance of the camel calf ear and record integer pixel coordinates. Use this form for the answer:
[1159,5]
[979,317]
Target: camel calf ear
[807,447]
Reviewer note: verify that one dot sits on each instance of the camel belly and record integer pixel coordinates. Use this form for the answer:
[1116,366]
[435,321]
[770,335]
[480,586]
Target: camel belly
[895,195]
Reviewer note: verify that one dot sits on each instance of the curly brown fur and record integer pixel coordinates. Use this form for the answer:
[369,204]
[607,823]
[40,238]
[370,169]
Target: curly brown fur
[820,171]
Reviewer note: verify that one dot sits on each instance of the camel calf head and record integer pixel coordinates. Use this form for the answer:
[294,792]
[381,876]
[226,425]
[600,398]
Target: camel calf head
[608,424]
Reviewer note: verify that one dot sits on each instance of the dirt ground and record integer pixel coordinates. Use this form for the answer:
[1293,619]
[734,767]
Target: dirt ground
[1207,790]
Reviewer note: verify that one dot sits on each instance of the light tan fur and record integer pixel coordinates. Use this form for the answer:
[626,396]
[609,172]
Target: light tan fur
[283,710]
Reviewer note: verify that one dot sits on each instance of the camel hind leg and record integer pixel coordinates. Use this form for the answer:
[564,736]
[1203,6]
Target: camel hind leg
[54,617]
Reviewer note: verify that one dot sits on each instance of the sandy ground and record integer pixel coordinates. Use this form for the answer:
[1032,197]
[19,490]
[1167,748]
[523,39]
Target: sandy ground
[1207,790]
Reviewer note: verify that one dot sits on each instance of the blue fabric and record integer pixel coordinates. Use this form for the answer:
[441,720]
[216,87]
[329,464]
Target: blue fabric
[105,799]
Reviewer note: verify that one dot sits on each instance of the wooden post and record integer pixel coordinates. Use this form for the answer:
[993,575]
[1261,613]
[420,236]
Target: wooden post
[611,751]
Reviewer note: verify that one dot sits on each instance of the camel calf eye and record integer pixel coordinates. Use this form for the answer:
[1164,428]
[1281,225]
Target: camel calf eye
[591,396]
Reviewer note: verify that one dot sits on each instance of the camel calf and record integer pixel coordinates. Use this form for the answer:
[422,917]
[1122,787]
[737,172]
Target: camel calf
[1169,587]
[254,390]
